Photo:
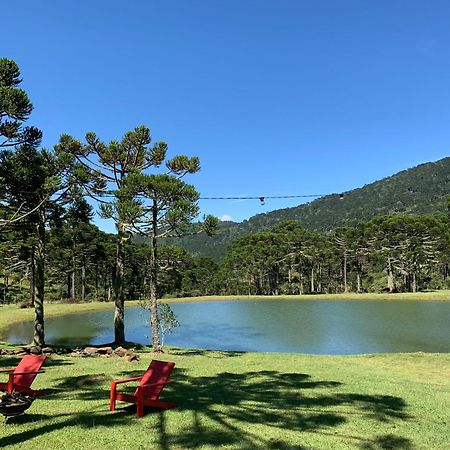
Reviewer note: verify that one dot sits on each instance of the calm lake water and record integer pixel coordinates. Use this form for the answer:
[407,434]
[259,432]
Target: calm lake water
[315,327]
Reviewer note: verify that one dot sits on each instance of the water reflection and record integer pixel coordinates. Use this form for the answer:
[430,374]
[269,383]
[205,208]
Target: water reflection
[315,327]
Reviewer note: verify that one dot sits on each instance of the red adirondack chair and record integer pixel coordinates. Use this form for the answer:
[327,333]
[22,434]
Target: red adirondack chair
[21,377]
[149,389]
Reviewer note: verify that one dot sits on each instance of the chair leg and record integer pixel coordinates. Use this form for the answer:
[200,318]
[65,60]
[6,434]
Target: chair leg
[140,408]
[112,398]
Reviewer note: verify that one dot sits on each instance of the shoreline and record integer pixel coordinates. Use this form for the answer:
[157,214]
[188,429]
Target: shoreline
[12,314]
[443,296]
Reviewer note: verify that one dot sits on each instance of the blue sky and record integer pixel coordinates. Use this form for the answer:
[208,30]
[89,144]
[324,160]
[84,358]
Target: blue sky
[275,97]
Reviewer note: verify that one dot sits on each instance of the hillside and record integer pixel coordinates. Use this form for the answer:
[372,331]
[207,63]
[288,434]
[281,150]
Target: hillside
[419,190]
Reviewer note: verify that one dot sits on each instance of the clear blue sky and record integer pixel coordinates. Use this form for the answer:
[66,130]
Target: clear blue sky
[275,97]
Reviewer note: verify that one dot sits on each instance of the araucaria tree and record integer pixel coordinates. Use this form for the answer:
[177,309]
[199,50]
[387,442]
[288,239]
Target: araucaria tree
[160,206]
[111,164]
[24,185]
[15,108]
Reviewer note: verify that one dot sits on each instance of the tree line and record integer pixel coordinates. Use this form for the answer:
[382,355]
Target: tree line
[401,253]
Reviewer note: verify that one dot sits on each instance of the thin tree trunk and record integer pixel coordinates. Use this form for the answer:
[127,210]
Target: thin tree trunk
[414,282]
[391,285]
[33,276]
[345,273]
[83,281]
[39,338]
[96,281]
[312,280]
[73,293]
[153,281]
[119,314]
[72,280]
[358,282]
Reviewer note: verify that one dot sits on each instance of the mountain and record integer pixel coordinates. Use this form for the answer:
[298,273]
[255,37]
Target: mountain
[420,190]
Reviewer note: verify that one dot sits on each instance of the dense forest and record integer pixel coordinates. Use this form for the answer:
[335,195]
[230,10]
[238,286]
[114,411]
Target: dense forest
[402,253]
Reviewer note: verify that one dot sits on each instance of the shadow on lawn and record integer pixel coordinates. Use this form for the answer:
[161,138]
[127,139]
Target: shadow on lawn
[217,406]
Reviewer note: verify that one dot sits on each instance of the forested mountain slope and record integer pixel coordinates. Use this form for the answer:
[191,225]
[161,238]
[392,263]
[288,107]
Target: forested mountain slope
[419,190]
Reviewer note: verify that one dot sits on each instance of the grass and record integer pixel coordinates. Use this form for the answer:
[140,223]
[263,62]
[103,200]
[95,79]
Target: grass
[235,400]
[443,295]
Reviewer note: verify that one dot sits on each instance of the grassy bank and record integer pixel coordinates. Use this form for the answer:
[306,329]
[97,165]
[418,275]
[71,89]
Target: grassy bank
[10,314]
[426,296]
[238,400]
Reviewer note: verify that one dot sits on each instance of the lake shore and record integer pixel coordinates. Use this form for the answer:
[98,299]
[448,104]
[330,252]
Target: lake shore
[11,314]
[426,296]
[276,400]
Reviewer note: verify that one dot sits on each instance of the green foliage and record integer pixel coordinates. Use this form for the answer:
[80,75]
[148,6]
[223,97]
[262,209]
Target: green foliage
[15,107]
[405,252]
[421,190]
[167,320]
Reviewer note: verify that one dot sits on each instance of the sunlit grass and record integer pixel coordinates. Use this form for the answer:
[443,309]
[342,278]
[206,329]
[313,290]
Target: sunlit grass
[443,295]
[238,400]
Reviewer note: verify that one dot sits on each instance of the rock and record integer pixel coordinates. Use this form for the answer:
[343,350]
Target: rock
[104,350]
[130,357]
[90,350]
[48,350]
[120,351]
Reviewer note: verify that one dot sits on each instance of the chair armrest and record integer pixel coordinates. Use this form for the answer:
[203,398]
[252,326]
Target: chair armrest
[25,373]
[6,370]
[163,383]
[125,380]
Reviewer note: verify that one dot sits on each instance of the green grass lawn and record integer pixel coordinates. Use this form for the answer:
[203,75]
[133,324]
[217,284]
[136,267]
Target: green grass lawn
[244,401]
[235,400]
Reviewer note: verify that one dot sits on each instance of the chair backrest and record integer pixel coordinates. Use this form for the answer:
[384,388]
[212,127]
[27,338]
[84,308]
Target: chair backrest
[29,363]
[157,372]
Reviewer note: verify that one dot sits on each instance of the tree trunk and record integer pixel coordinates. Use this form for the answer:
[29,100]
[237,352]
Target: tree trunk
[72,282]
[391,285]
[358,282]
[414,282]
[96,282]
[153,281]
[83,281]
[73,293]
[68,283]
[312,280]
[33,276]
[39,338]
[345,273]
[6,283]
[119,314]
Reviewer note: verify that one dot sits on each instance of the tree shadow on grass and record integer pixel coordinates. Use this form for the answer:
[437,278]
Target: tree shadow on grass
[287,401]
[11,361]
[217,354]
[230,409]
[39,426]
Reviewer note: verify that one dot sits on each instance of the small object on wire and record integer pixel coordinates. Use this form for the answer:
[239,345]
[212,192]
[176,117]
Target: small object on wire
[265,197]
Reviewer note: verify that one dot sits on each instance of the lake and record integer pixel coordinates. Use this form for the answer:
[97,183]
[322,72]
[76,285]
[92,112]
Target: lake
[287,326]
